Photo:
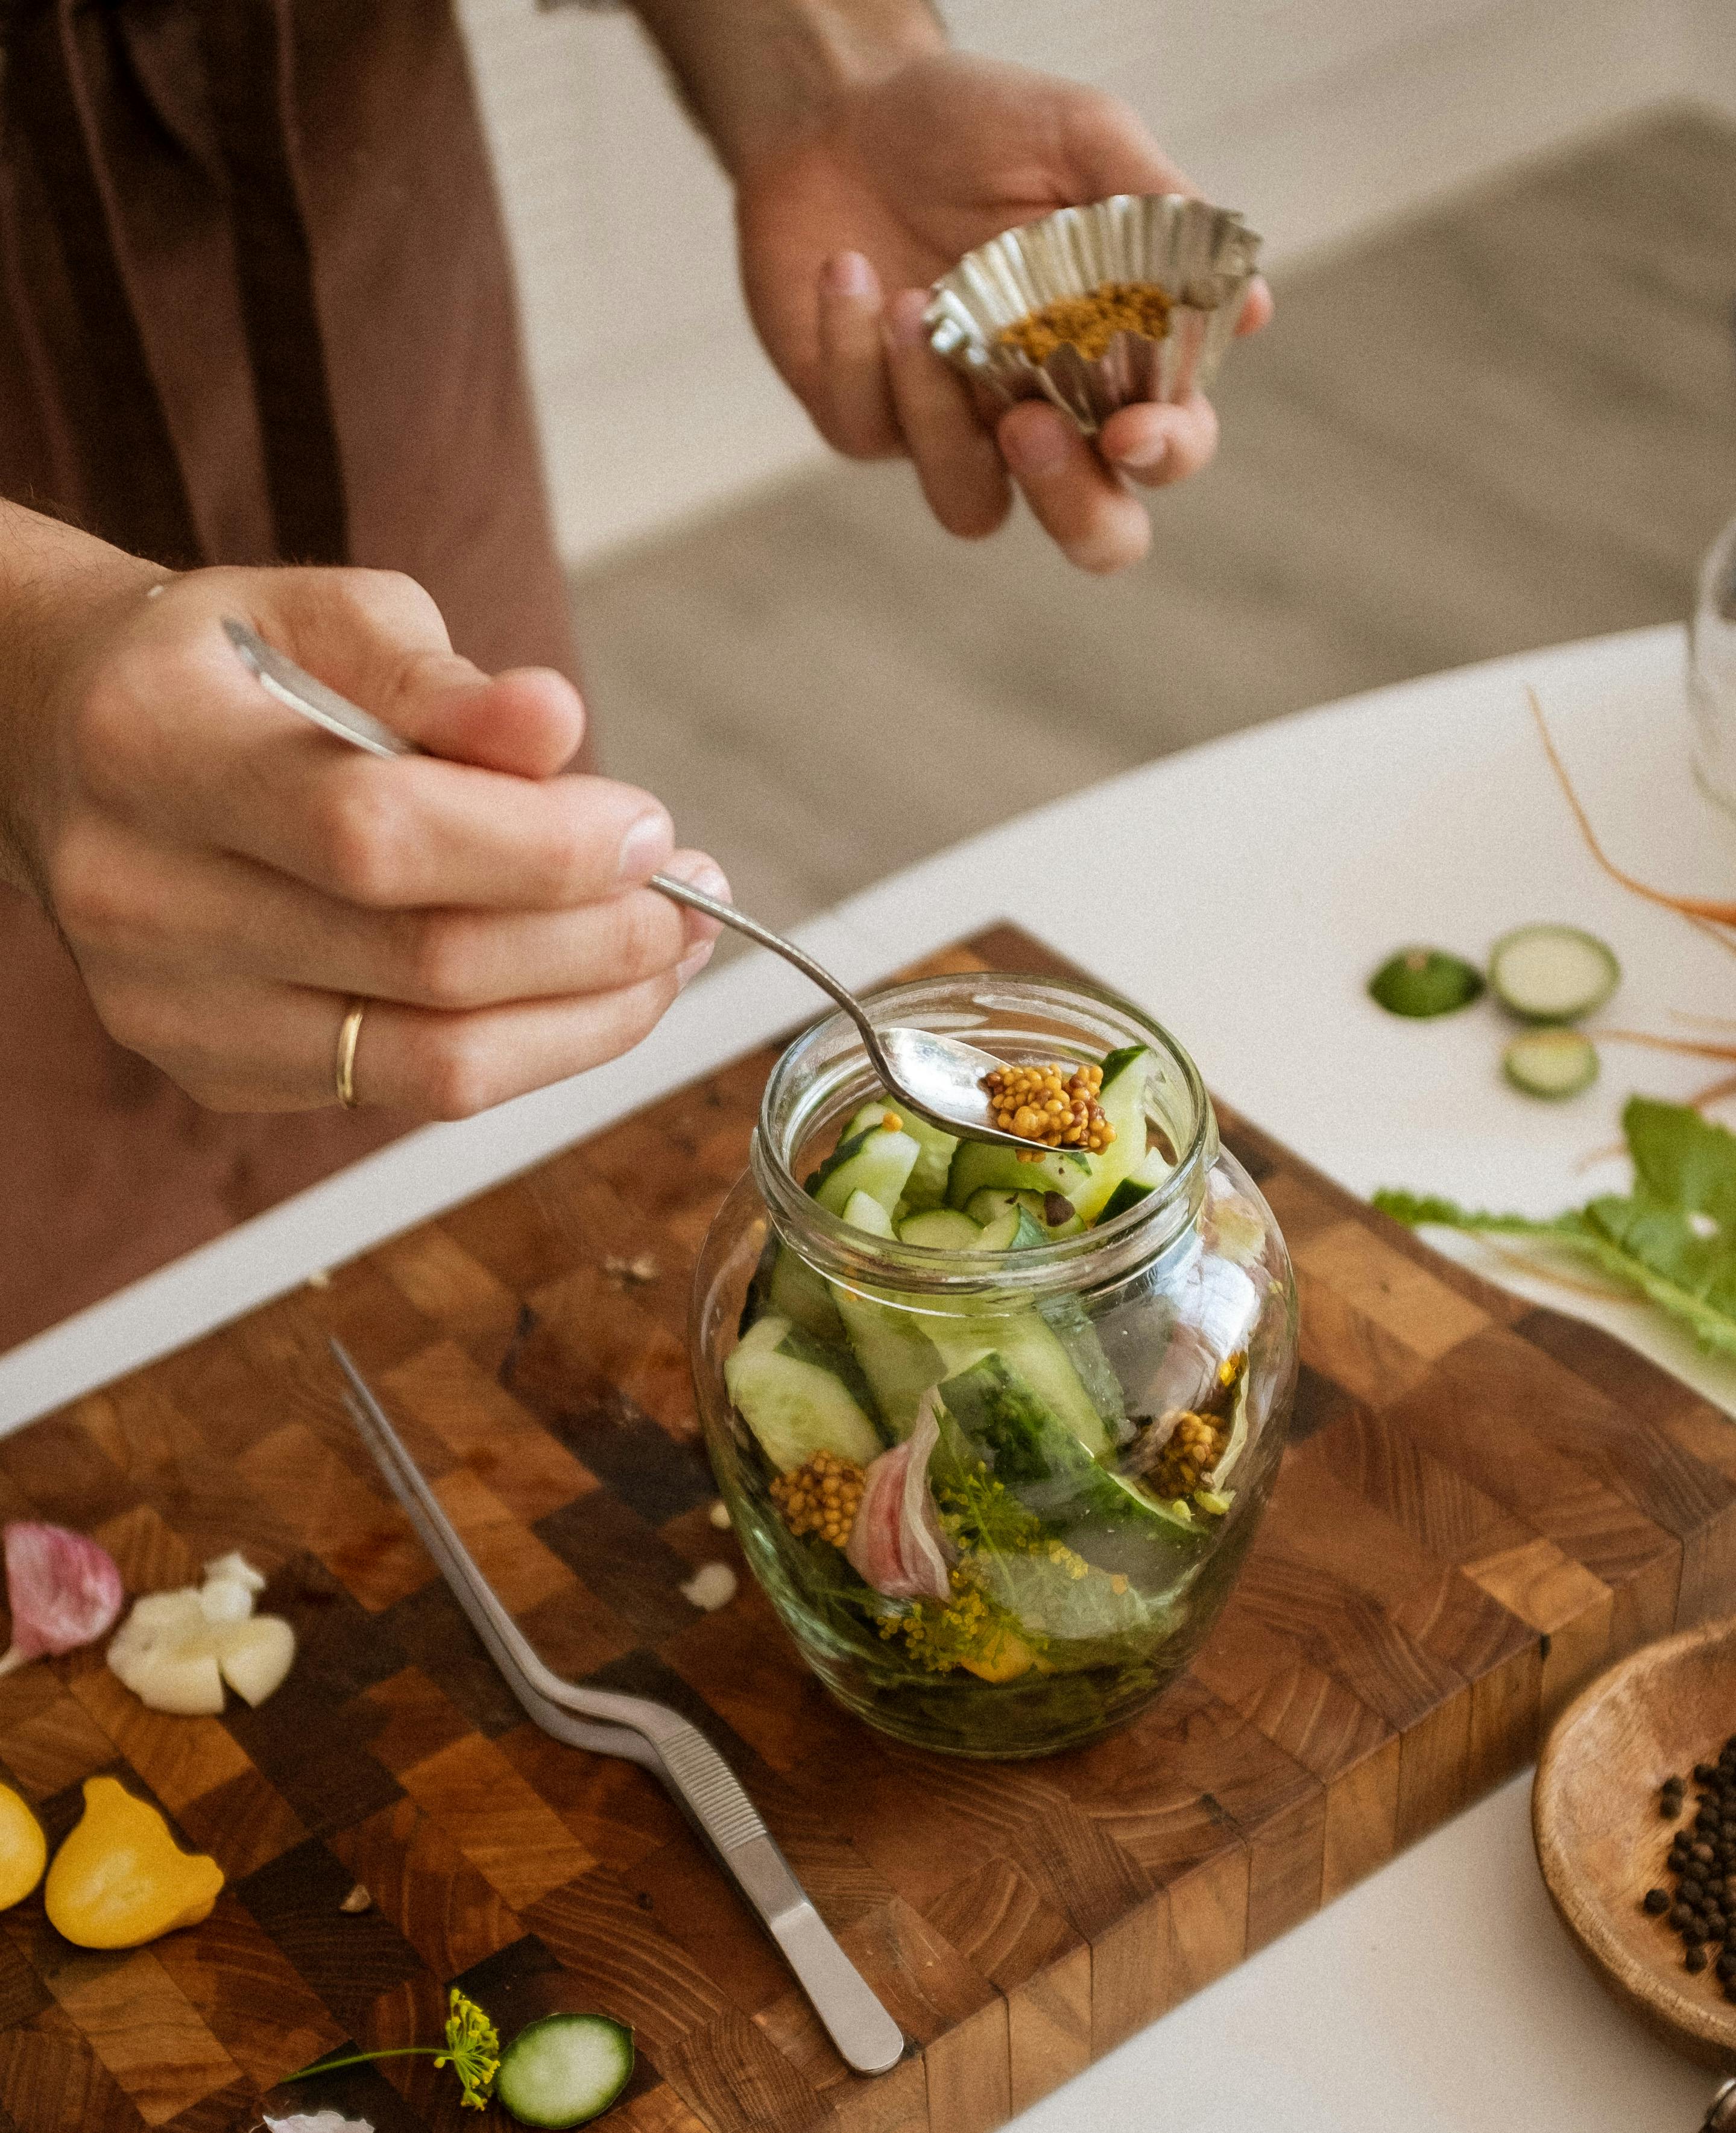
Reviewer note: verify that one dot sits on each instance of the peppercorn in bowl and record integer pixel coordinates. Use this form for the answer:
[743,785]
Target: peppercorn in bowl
[995,1426]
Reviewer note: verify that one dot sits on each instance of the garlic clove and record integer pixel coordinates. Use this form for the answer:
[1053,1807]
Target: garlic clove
[225,1599]
[236,1569]
[256,1654]
[186,1684]
[62,1588]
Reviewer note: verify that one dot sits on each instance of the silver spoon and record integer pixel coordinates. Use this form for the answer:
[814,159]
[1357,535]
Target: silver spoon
[937,1077]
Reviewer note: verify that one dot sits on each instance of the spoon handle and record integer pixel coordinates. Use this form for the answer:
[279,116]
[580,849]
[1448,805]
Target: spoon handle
[726,914]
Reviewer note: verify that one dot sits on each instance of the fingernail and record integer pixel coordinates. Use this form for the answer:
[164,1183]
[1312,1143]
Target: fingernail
[645,846]
[849,274]
[690,966]
[705,875]
[1037,446]
[904,326]
[1148,455]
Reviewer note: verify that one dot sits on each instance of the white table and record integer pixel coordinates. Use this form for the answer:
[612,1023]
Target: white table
[1241,891]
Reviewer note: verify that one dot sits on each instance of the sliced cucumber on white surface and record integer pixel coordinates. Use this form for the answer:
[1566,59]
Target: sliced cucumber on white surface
[1552,973]
[1550,1062]
[564,2070]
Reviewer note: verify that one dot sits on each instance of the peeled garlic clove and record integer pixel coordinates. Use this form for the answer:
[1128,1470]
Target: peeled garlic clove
[235,1569]
[186,1684]
[256,1655]
[225,1599]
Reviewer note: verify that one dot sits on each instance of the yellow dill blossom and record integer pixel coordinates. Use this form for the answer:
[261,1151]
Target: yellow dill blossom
[473,2049]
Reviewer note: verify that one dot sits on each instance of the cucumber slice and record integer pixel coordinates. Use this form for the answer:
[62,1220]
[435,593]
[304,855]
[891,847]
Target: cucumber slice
[1421,982]
[877,1162]
[564,2070]
[1027,1344]
[993,1201]
[941,1230]
[894,1352]
[1144,1177]
[1550,1062]
[979,1165]
[794,1402]
[1552,973]
[863,1211]
[926,1187]
[796,1293]
[1122,1096]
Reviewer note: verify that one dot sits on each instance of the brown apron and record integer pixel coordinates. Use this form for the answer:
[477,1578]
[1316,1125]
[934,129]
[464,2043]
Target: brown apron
[255,307]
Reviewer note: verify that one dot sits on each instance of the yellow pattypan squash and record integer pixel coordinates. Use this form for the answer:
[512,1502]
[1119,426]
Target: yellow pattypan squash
[120,1879]
[23,1849]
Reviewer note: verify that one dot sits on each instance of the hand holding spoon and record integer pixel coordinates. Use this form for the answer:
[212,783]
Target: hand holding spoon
[937,1077]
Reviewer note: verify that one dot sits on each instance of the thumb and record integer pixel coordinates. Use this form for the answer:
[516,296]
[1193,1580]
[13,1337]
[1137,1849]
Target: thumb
[529,721]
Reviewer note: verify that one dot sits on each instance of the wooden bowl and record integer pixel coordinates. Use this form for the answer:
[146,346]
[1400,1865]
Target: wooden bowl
[1601,1841]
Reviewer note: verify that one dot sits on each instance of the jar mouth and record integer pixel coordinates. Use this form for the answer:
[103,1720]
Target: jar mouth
[824,1076]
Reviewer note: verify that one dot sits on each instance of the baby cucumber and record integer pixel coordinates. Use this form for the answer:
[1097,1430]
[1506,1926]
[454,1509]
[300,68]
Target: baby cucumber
[1550,1062]
[1424,982]
[1552,973]
[564,2070]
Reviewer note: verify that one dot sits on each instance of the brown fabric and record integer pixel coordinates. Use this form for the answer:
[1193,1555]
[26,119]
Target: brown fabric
[255,306]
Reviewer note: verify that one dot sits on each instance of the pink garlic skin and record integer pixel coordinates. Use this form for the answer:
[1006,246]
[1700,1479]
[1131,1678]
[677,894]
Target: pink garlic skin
[896,1543]
[64,1591]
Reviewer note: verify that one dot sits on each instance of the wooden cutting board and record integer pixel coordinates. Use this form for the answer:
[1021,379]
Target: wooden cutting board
[1482,1502]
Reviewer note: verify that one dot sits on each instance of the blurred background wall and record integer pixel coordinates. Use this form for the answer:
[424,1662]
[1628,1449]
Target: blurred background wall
[1322,119]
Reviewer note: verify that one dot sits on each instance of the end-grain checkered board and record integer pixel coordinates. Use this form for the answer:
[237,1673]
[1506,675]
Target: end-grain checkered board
[1482,1502]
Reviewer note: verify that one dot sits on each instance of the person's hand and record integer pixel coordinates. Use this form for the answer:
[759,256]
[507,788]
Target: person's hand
[229,878]
[842,234]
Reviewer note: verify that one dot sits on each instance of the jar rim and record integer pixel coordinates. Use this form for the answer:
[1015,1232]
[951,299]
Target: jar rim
[813,1076]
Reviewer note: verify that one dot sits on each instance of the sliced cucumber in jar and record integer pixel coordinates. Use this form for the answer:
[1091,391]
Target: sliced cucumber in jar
[793,1399]
[564,2070]
[863,1211]
[941,1230]
[1550,1062]
[926,1187]
[1552,973]
[1424,982]
[876,1162]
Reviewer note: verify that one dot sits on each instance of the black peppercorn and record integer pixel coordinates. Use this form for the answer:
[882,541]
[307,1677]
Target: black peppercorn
[1655,1901]
[1702,1852]
[1703,1773]
[1692,1888]
[1680,1915]
[1696,1958]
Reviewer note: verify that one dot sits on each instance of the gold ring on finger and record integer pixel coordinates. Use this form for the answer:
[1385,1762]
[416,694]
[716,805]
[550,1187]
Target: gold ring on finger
[349,1037]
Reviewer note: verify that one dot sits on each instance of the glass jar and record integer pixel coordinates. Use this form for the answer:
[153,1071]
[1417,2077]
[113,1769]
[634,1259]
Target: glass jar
[1047,1463]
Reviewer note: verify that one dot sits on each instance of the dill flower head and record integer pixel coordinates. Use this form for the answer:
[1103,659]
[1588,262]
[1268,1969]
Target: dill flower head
[473,2049]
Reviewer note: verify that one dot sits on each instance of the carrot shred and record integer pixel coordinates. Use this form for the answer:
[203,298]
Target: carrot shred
[1698,907]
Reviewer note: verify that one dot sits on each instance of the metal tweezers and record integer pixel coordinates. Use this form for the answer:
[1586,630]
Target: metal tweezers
[661,1741]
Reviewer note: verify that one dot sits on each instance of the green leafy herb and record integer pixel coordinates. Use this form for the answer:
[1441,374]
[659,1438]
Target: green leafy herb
[1672,1238]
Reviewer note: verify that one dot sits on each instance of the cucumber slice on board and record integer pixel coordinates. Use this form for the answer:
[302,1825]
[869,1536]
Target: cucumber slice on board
[926,1187]
[793,1401]
[1550,1062]
[1424,982]
[876,1163]
[941,1230]
[1552,973]
[564,2070]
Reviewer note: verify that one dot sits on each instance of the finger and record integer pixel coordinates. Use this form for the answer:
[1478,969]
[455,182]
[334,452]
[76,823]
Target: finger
[1155,444]
[241,1046]
[1081,503]
[860,420]
[960,471]
[1257,306]
[184,917]
[378,637]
